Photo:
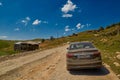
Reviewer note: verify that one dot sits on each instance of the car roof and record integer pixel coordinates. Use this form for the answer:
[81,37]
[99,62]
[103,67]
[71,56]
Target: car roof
[81,42]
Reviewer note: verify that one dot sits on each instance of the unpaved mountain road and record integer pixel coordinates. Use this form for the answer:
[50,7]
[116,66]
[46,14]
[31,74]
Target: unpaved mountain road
[48,65]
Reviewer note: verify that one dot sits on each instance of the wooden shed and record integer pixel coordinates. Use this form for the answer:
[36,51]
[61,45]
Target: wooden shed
[26,46]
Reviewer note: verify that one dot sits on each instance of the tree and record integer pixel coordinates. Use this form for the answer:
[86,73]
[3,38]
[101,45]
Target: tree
[42,40]
[74,34]
[101,28]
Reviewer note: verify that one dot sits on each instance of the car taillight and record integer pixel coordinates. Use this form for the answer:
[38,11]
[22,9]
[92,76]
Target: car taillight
[69,55]
[96,54]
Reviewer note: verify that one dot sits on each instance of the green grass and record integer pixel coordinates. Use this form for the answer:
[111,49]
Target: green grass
[6,47]
[108,44]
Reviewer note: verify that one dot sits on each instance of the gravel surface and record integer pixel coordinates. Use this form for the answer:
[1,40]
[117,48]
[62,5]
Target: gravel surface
[49,65]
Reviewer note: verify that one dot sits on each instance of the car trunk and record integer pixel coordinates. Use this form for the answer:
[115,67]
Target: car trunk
[83,56]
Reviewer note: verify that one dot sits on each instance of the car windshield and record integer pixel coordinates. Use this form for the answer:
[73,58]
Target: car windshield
[81,46]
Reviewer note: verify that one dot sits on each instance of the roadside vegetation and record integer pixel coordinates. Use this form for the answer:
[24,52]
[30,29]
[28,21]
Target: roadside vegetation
[106,39]
[6,47]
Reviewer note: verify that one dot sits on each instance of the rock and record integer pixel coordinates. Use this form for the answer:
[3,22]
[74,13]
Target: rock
[114,57]
[118,75]
[96,35]
[117,52]
[118,56]
[116,64]
[103,40]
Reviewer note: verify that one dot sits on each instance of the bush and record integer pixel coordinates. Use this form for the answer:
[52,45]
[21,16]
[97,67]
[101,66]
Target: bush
[101,28]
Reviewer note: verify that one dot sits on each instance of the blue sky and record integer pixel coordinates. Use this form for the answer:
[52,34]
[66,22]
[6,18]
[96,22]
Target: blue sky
[29,19]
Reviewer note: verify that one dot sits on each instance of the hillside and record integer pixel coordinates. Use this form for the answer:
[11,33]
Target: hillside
[107,40]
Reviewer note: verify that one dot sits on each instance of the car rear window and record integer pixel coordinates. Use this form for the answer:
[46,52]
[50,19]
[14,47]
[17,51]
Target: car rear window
[81,46]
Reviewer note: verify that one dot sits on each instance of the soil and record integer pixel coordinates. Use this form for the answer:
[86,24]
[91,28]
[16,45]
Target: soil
[49,65]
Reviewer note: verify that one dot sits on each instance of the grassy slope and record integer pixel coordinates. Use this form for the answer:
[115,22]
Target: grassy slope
[108,44]
[6,47]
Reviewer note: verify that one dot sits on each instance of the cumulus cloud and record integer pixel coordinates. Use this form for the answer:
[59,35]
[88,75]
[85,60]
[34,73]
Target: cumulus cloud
[28,18]
[68,7]
[67,15]
[1,4]
[25,20]
[82,26]
[78,26]
[16,29]
[36,22]
[64,33]
[3,37]
[67,28]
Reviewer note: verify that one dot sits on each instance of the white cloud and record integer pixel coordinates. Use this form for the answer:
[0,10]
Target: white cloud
[82,26]
[67,28]
[64,33]
[3,37]
[28,18]
[25,20]
[1,4]
[36,22]
[67,15]
[69,6]
[16,29]
[78,26]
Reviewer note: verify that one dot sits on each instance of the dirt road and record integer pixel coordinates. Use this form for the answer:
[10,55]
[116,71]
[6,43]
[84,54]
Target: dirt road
[48,65]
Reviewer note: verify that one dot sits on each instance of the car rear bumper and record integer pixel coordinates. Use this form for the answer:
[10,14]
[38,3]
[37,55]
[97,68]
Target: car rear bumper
[97,64]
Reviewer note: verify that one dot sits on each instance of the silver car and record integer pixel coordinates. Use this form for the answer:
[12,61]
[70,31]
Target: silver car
[82,55]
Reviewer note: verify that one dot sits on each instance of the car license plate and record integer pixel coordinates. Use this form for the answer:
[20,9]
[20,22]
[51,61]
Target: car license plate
[83,56]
